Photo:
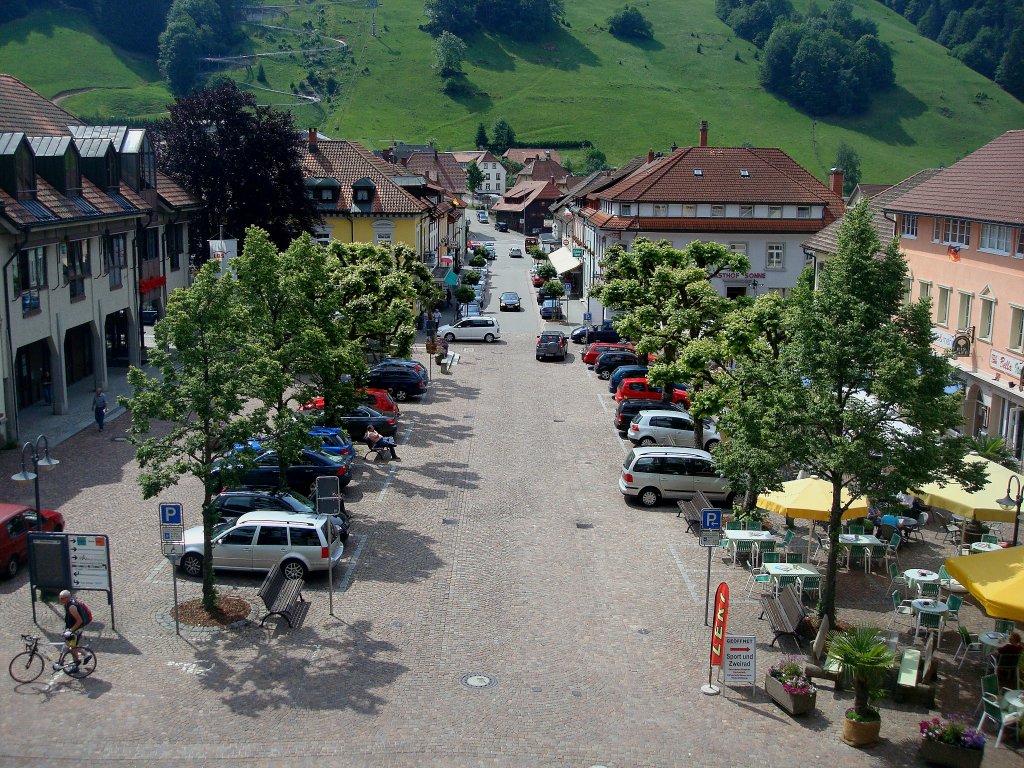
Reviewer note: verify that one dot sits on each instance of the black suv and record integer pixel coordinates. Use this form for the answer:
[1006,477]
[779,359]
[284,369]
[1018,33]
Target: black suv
[609,361]
[588,334]
[401,382]
[232,504]
[632,406]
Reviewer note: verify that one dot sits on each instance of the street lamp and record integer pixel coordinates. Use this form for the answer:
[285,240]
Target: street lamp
[43,463]
[1013,501]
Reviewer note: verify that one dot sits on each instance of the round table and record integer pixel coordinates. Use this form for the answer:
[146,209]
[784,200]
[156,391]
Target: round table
[984,546]
[993,640]
[917,576]
[926,605]
[1014,700]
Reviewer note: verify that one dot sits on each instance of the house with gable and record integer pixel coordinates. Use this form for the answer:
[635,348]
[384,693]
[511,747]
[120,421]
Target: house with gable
[524,208]
[962,232]
[758,201]
[489,165]
[93,239]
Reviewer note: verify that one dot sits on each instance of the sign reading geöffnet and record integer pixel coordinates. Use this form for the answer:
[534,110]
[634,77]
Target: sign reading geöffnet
[740,659]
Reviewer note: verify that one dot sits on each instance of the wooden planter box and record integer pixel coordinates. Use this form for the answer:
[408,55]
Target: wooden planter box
[938,753]
[794,705]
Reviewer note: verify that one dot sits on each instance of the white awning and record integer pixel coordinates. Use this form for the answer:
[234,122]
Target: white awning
[564,261]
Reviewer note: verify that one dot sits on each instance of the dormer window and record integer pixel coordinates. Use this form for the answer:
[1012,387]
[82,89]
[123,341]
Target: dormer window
[698,172]
[363,193]
[326,195]
[744,173]
[25,170]
[148,177]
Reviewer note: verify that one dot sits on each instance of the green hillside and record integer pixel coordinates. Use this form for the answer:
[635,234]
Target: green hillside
[580,82]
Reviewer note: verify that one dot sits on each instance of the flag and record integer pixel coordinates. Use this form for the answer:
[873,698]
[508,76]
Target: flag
[953,252]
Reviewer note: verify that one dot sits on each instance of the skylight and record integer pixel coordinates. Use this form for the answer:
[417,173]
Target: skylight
[698,172]
[744,173]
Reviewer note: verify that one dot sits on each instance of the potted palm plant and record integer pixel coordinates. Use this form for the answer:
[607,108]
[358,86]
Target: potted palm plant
[863,660]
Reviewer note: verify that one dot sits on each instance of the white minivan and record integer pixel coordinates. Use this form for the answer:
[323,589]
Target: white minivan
[652,474]
[669,428]
[471,329]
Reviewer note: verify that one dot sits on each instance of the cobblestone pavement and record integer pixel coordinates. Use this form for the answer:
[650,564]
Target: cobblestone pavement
[499,546]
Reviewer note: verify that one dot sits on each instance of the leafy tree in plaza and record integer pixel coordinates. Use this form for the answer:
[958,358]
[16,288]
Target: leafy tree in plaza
[479,252]
[474,177]
[478,260]
[547,271]
[848,159]
[205,359]
[464,294]
[481,141]
[242,160]
[449,51]
[469,277]
[502,135]
[858,398]
[630,23]
[666,302]
[553,289]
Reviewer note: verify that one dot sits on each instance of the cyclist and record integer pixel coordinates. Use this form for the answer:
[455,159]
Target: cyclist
[74,621]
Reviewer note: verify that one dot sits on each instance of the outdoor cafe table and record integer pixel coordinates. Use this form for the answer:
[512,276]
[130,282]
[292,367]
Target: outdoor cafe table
[917,576]
[864,540]
[984,546]
[734,537]
[993,640]
[925,605]
[775,570]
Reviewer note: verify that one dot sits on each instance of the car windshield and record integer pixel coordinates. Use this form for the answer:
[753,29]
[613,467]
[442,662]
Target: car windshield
[510,296]
[629,459]
[221,527]
[327,458]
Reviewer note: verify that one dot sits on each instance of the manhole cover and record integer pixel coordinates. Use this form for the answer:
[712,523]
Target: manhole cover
[477,681]
[449,521]
[584,526]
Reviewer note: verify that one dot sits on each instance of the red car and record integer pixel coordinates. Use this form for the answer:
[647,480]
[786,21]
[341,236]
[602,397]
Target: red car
[378,399]
[16,521]
[537,280]
[593,351]
[639,389]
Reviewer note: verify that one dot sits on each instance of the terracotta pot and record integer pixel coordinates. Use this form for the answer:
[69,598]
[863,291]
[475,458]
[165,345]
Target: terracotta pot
[953,755]
[859,734]
[794,705]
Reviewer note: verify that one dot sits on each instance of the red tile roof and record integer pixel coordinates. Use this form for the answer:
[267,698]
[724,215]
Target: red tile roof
[522,154]
[542,170]
[174,195]
[987,185]
[691,224]
[347,162]
[442,168]
[23,109]
[771,176]
[525,193]
[479,156]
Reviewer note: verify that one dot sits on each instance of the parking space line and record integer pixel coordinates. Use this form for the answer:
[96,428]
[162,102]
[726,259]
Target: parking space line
[152,577]
[604,406]
[343,584]
[404,438]
[682,573]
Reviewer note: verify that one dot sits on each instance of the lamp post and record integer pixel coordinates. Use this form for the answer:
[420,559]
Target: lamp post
[44,463]
[1013,501]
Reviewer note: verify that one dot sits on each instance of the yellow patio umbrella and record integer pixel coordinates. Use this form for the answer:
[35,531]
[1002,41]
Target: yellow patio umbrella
[981,504]
[809,499]
[995,578]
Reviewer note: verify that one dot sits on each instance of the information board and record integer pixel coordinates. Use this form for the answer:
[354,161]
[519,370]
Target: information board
[740,659]
[710,537]
[89,557]
[75,561]
[48,563]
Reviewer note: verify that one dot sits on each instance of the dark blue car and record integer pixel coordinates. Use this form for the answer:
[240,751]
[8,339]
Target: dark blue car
[625,372]
[588,334]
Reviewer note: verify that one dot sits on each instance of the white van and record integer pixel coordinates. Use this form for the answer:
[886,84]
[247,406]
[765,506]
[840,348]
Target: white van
[653,474]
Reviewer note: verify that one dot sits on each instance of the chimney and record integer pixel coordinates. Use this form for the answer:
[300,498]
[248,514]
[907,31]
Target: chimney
[703,133]
[650,155]
[312,139]
[674,146]
[835,181]
[547,154]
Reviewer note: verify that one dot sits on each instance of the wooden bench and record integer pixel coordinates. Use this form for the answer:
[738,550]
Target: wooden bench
[689,511]
[450,361]
[916,676]
[821,665]
[382,451]
[777,618]
[280,595]
[789,599]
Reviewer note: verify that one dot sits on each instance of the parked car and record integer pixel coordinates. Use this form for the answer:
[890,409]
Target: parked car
[16,522]
[627,409]
[502,226]
[469,310]
[258,541]
[515,253]
[401,362]
[594,351]
[587,334]
[552,344]
[625,372]
[301,476]
[233,503]
[652,474]
[481,216]
[378,399]
[536,280]
[472,245]
[401,383]
[492,251]
[608,361]
[359,418]
[328,439]
[509,300]
[530,241]
[663,428]
[551,309]
[640,389]
[471,329]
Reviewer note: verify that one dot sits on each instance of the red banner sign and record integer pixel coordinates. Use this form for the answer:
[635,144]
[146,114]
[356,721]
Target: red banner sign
[718,627]
[147,284]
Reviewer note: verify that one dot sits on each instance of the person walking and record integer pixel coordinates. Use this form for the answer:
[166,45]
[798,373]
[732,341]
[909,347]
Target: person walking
[436,317]
[99,407]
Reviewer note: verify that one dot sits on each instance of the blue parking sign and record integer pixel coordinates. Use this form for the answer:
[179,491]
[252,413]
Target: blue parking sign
[711,518]
[587,317]
[170,514]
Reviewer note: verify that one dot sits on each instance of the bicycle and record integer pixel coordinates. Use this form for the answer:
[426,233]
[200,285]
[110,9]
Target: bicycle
[30,663]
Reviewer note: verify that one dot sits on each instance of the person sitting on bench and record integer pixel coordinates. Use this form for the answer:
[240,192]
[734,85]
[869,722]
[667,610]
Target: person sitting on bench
[378,442]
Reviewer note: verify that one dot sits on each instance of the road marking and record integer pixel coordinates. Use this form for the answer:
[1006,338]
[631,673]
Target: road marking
[151,579]
[391,469]
[604,406]
[682,572]
[347,578]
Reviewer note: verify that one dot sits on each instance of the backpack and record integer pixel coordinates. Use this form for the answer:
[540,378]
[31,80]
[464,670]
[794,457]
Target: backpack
[83,611]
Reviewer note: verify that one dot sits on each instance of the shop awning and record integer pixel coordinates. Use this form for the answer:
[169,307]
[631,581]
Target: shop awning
[564,261]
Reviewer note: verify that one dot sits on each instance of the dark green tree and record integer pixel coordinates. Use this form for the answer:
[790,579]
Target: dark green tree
[179,55]
[848,159]
[481,141]
[519,18]
[594,160]
[455,16]
[474,177]
[503,136]
[1010,73]
[630,23]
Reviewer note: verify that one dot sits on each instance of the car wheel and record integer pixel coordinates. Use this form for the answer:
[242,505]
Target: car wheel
[192,564]
[449,337]
[604,375]
[710,444]
[400,395]
[649,497]
[293,569]
[11,569]
[488,338]
[647,441]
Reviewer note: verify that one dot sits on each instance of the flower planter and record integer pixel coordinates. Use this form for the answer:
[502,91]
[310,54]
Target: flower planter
[953,755]
[794,705]
[861,734]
